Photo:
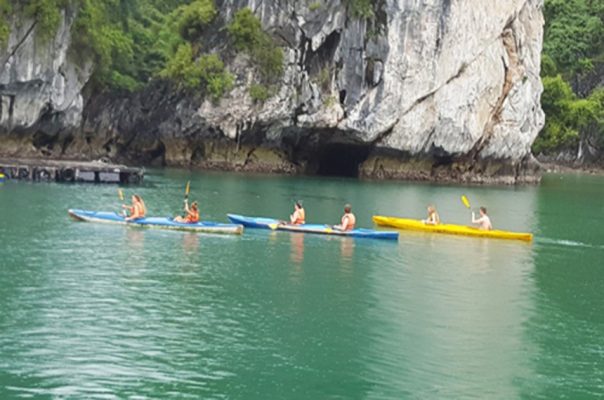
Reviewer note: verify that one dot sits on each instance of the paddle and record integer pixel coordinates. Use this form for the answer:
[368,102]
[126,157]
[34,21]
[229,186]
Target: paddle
[187,191]
[275,226]
[120,196]
[465,201]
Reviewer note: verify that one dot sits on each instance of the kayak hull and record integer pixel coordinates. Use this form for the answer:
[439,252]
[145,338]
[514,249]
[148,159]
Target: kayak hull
[270,223]
[416,225]
[155,222]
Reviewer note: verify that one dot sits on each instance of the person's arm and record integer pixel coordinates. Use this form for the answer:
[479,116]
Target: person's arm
[344,223]
[293,217]
[130,210]
[476,221]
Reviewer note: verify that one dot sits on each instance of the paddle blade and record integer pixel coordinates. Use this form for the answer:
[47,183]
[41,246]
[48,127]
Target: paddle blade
[120,194]
[188,188]
[273,226]
[465,201]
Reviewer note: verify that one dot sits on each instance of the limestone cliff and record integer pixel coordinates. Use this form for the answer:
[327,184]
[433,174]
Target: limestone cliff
[40,87]
[432,89]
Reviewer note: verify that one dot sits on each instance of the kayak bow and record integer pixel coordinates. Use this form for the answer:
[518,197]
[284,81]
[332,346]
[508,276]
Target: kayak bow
[271,223]
[416,225]
[155,222]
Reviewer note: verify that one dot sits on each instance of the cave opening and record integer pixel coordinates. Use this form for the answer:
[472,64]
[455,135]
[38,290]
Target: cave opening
[340,159]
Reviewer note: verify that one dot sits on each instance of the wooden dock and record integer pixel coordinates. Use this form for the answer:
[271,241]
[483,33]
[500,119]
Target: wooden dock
[69,171]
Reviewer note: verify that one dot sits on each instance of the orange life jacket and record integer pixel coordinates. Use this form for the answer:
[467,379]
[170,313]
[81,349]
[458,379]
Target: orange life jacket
[351,221]
[300,217]
[192,217]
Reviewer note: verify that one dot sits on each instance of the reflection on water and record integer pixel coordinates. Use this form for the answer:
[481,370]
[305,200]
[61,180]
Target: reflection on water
[297,247]
[190,241]
[135,238]
[273,236]
[347,249]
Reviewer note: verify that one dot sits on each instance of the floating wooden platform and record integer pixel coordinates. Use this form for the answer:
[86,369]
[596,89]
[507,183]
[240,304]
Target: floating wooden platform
[69,171]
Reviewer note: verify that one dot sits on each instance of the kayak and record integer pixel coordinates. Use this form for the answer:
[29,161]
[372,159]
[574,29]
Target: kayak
[155,222]
[271,223]
[416,225]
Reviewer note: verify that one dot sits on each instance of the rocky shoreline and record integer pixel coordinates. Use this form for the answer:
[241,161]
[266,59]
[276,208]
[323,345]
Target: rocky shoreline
[350,161]
[590,169]
[330,160]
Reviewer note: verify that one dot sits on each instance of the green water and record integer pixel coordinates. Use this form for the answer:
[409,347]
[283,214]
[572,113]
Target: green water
[100,311]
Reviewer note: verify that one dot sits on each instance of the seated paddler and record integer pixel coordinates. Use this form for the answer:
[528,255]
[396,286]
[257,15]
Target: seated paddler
[191,214]
[137,210]
[299,215]
[433,217]
[348,220]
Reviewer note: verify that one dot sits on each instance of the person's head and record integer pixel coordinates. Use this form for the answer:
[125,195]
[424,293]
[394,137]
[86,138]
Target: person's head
[298,205]
[194,206]
[431,209]
[347,208]
[483,211]
[136,198]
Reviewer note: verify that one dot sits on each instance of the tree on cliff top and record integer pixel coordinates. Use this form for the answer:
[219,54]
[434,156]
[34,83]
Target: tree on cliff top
[574,34]
[573,49]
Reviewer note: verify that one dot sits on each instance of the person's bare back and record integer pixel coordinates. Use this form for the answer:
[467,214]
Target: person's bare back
[484,222]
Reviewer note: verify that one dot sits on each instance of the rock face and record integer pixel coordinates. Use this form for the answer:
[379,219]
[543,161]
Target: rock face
[431,89]
[40,87]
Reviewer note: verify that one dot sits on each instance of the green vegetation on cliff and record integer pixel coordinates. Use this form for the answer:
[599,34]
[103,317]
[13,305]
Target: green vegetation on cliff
[131,42]
[259,93]
[247,35]
[5,10]
[568,117]
[187,67]
[573,53]
[361,8]
[191,73]
[194,18]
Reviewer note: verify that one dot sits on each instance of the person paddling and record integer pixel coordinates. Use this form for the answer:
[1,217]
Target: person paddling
[484,222]
[299,215]
[348,220]
[191,214]
[137,210]
[433,217]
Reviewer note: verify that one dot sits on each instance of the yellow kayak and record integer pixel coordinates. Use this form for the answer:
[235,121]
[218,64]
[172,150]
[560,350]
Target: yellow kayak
[416,225]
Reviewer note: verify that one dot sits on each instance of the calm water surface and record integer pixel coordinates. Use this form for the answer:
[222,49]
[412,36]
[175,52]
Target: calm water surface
[95,311]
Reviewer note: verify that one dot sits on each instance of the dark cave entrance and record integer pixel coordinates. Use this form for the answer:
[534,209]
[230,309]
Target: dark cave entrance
[339,159]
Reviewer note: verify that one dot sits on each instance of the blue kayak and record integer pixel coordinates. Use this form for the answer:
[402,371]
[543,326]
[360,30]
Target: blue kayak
[271,223]
[155,222]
